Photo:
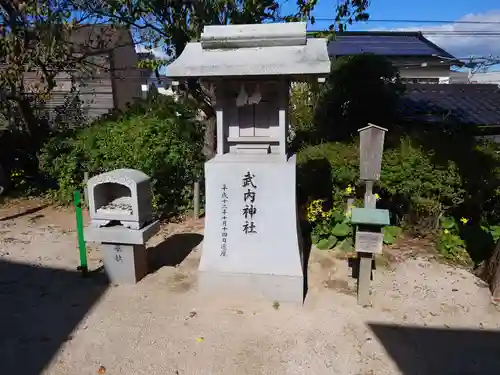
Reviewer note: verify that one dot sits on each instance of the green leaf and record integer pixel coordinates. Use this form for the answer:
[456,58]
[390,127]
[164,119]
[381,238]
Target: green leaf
[323,244]
[341,230]
[447,222]
[346,245]
[338,217]
[314,238]
[389,239]
[332,241]
[391,234]
[495,232]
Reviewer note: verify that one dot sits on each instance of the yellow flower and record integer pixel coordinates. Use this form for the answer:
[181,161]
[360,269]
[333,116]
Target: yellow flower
[349,190]
[314,210]
[377,197]
[464,220]
[446,231]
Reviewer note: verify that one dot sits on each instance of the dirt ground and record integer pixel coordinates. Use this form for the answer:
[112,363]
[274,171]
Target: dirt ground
[425,318]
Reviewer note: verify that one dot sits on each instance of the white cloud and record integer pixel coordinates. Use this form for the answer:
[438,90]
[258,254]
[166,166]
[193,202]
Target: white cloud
[465,45]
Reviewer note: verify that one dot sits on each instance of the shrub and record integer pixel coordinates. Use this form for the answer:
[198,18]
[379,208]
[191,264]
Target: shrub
[360,89]
[160,138]
[449,243]
[411,185]
[419,184]
[19,161]
[331,228]
[416,189]
[303,98]
[325,170]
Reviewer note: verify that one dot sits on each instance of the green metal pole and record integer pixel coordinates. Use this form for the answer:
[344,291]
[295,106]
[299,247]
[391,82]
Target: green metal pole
[79,229]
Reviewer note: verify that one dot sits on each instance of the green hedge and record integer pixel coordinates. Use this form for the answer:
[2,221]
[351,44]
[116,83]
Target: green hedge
[160,138]
[417,184]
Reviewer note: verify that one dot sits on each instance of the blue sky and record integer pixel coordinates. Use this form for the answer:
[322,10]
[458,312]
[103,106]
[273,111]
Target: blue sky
[398,9]
[447,10]
[443,34]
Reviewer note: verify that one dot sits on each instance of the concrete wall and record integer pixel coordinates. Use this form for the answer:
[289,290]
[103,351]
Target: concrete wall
[493,138]
[486,78]
[127,77]
[94,86]
[423,69]
[490,77]
[110,80]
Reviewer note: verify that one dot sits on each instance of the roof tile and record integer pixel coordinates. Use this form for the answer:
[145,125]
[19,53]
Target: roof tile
[384,43]
[468,104]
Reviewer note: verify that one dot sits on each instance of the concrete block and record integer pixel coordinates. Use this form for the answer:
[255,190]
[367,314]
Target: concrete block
[124,264]
[120,234]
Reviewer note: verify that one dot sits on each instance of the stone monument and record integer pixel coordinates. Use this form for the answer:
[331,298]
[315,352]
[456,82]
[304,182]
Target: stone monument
[252,237]
[120,208]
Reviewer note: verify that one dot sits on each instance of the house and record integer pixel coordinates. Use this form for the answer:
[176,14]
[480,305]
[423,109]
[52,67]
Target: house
[110,79]
[164,85]
[483,78]
[417,58]
[475,105]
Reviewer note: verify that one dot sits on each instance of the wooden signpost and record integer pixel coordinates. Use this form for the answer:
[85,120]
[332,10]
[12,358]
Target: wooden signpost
[369,220]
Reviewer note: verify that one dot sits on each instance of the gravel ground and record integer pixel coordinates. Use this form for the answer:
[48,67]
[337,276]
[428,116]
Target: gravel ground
[426,318]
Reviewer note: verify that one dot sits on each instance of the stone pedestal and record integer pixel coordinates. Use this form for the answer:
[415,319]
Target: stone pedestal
[125,264]
[252,238]
[124,250]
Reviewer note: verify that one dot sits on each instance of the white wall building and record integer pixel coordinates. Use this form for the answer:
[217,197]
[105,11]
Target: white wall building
[481,78]
[418,59]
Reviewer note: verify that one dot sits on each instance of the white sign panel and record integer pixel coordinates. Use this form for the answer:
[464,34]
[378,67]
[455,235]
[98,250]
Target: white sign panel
[251,222]
[369,242]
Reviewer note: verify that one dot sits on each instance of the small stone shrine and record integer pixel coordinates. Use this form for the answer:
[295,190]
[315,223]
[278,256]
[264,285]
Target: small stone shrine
[120,208]
[252,241]
[122,195]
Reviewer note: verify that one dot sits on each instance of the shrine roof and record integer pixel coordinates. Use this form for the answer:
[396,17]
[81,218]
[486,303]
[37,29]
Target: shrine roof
[253,50]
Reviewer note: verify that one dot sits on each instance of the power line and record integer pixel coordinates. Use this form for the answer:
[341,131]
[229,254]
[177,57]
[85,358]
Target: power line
[448,33]
[470,34]
[417,21]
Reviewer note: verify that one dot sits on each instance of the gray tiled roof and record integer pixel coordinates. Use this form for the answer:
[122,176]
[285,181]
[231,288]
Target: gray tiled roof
[384,43]
[470,104]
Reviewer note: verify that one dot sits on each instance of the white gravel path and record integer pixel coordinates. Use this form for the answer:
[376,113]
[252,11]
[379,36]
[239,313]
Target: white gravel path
[54,322]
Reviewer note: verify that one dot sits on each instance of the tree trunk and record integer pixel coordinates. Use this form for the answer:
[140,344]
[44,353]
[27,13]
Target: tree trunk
[490,273]
[31,122]
[209,146]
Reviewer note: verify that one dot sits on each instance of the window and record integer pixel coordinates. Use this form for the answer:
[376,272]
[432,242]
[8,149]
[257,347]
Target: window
[420,80]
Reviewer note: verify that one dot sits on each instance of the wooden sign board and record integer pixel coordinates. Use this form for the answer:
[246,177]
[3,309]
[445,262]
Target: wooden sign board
[369,242]
[371,147]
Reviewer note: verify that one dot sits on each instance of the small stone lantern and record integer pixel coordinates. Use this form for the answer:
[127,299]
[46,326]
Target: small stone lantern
[120,207]
[122,195]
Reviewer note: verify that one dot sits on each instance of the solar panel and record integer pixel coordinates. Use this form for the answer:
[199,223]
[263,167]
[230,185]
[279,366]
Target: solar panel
[388,45]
